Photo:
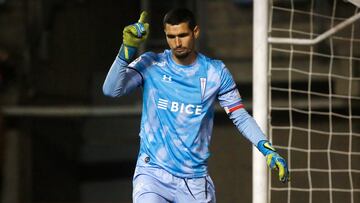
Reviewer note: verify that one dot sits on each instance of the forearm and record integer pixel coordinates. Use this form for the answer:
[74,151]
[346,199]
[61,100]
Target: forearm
[251,130]
[247,126]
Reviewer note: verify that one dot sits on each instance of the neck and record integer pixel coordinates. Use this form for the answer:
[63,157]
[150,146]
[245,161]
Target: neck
[185,61]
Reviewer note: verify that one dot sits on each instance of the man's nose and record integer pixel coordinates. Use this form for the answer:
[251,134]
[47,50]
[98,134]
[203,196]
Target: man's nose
[177,42]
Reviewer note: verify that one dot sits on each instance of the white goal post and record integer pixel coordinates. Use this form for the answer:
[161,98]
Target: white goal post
[261,57]
[260,96]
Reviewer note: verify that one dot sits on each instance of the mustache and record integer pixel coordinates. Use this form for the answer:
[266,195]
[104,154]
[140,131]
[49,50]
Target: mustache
[181,49]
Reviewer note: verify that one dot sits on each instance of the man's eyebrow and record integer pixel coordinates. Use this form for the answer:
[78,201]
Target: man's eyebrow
[183,34]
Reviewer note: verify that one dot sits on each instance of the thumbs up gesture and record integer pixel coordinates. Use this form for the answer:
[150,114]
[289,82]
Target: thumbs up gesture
[137,33]
[133,36]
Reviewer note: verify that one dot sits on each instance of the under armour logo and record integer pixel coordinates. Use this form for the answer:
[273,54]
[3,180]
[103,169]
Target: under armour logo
[166,78]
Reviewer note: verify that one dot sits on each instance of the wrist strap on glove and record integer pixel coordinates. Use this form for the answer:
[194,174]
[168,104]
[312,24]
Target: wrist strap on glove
[265,147]
[127,53]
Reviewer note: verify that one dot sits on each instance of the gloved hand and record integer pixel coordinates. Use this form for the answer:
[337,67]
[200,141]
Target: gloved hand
[274,160]
[133,36]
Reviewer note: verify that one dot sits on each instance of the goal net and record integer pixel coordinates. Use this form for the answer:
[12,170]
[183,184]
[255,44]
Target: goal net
[314,99]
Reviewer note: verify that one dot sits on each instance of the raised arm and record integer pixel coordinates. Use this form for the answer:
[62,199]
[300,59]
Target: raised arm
[122,79]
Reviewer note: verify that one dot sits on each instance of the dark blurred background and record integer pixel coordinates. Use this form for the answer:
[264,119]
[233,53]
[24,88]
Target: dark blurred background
[62,140]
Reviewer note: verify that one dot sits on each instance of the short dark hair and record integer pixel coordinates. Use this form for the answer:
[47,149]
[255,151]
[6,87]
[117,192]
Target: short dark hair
[180,15]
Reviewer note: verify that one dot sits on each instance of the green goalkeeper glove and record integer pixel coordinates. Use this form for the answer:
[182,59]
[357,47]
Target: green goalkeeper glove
[133,36]
[274,160]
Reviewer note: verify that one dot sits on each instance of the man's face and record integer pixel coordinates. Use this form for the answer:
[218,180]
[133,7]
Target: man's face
[181,39]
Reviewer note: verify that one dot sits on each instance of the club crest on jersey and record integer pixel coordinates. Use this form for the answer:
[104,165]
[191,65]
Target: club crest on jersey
[202,87]
[166,78]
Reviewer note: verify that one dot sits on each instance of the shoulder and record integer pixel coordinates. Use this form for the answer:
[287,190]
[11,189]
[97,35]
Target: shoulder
[213,63]
[146,59]
[147,56]
[215,67]
[218,67]
[218,64]
[156,57]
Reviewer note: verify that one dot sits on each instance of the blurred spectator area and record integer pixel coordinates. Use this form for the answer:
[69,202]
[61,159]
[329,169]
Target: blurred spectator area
[58,53]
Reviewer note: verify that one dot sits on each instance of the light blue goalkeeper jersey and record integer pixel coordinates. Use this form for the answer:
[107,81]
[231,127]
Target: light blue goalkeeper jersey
[178,108]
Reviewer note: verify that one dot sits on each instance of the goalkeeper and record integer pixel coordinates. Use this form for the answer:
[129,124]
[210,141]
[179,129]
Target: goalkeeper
[180,87]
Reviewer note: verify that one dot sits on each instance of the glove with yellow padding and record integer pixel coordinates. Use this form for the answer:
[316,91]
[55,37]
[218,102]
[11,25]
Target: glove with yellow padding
[274,160]
[133,36]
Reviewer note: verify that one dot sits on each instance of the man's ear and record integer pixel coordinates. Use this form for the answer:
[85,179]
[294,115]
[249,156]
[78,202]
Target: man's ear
[196,31]
[165,25]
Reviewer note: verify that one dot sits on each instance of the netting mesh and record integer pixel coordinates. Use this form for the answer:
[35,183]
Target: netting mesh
[315,102]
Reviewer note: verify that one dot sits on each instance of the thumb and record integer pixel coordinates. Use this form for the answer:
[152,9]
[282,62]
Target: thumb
[281,170]
[143,17]
[283,173]
[270,162]
[146,27]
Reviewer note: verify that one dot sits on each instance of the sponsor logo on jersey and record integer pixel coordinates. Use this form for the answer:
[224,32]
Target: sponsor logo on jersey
[162,104]
[160,64]
[173,106]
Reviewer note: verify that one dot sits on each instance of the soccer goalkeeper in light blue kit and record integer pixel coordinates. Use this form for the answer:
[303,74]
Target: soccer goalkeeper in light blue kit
[180,87]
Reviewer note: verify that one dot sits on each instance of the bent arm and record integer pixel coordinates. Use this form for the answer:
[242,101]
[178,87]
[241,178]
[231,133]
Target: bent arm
[121,79]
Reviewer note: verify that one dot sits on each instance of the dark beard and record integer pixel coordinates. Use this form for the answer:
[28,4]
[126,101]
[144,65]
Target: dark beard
[181,55]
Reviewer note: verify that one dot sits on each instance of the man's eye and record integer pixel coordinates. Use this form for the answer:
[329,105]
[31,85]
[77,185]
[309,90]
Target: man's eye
[171,36]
